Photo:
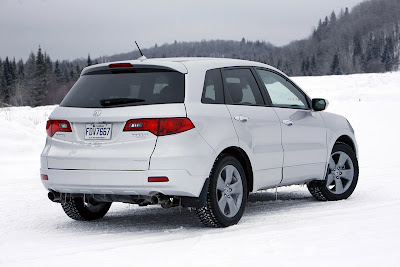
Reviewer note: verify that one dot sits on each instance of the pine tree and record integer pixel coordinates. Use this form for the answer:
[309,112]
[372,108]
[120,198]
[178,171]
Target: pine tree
[57,72]
[30,78]
[313,65]
[78,70]
[333,19]
[89,61]
[387,57]
[9,76]
[2,83]
[307,66]
[303,67]
[326,22]
[41,80]
[20,74]
[20,96]
[377,46]
[335,67]
[358,55]
[65,74]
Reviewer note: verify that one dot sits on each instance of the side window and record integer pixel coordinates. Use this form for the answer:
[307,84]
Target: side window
[282,92]
[213,90]
[242,87]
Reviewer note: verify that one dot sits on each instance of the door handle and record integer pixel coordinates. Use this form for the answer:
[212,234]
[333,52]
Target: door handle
[241,118]
[287,122]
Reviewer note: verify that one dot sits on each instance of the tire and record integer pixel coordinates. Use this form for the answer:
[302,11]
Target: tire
[226,200]
[79,210]
[341,176]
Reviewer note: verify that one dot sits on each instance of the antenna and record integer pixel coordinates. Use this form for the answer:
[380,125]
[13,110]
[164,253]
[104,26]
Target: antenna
[140,51]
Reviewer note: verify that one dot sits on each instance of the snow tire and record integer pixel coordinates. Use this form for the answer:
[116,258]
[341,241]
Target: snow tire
[320,190]
[78,210]
[210,215]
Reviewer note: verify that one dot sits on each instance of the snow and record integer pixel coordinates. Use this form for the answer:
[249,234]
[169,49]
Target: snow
[295,230]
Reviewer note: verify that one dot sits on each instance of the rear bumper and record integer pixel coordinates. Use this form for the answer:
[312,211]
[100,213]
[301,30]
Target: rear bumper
[181,182]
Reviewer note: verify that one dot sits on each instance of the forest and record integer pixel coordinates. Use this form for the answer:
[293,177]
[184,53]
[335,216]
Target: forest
[363,40]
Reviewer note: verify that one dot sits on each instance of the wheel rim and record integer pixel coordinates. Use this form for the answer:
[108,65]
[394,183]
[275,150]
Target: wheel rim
[229,191]
[340,173]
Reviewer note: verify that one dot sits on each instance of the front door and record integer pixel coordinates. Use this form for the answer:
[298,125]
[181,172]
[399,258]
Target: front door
[303,130]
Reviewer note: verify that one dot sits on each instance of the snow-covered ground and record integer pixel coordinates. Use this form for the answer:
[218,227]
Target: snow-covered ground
[295,230]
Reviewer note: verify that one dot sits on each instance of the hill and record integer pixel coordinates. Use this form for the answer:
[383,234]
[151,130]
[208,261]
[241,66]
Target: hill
[367,39]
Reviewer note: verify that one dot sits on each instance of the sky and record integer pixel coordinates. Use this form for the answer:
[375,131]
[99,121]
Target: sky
[70,29]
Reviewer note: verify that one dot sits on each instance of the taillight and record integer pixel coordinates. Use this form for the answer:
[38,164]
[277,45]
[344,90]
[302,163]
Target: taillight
[54,126]
[160,127]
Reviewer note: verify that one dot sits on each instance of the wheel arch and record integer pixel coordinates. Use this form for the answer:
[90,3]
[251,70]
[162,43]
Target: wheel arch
[348,141]
[241,155]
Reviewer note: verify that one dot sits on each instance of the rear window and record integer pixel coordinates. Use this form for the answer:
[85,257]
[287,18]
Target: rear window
[119,88]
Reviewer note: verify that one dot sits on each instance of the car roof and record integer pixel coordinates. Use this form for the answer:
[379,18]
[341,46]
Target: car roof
[184,64]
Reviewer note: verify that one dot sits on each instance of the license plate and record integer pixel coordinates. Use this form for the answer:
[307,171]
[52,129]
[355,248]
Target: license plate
[98,131]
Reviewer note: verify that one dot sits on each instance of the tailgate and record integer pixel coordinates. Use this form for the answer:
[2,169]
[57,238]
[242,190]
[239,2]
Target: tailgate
[124,150]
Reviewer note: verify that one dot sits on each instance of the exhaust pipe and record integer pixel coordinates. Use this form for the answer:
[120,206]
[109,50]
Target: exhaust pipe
[54,196]
[159,199]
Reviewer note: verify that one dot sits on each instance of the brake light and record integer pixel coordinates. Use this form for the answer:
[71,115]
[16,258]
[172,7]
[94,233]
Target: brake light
[120,65]
[54,126]
[44,177]
[160,127]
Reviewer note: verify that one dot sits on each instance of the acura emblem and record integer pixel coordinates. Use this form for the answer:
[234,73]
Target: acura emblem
[96,113]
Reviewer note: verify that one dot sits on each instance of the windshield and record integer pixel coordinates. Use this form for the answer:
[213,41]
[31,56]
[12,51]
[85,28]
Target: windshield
[126,88]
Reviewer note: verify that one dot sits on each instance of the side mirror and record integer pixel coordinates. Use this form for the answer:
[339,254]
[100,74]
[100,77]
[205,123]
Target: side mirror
[319,104]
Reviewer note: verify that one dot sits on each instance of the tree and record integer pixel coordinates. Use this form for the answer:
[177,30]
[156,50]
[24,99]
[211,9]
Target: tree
[326,22]
[303,67]
[313,65]
[78,70]
[2,83]
[9,78]
[30,72]
[346,12]
[57,72]
[387,57]
[335,67]
[89,61]
[333,19]
[41,80]
[21,94]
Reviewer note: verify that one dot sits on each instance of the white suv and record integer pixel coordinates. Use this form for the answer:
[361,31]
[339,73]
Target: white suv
[191,132]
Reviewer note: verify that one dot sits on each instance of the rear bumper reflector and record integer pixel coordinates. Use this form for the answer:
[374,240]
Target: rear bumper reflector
[44,177]
[158,179]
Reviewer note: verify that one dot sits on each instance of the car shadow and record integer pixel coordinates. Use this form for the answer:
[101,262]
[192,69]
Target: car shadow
[154,218]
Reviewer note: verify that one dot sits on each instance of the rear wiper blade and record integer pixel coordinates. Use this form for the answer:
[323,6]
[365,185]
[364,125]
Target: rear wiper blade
[119,101]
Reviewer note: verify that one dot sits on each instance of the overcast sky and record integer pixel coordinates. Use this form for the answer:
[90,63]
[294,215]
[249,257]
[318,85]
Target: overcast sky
[69,29]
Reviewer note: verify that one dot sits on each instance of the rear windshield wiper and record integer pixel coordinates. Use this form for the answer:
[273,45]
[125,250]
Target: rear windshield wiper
[119,101]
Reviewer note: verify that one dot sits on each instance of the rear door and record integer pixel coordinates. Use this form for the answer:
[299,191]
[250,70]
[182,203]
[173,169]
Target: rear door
[256,124]
[303,130]
[98,108]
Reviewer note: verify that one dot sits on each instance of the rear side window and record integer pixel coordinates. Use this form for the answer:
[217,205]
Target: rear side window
[106,88]
[213,89]
[242,87]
